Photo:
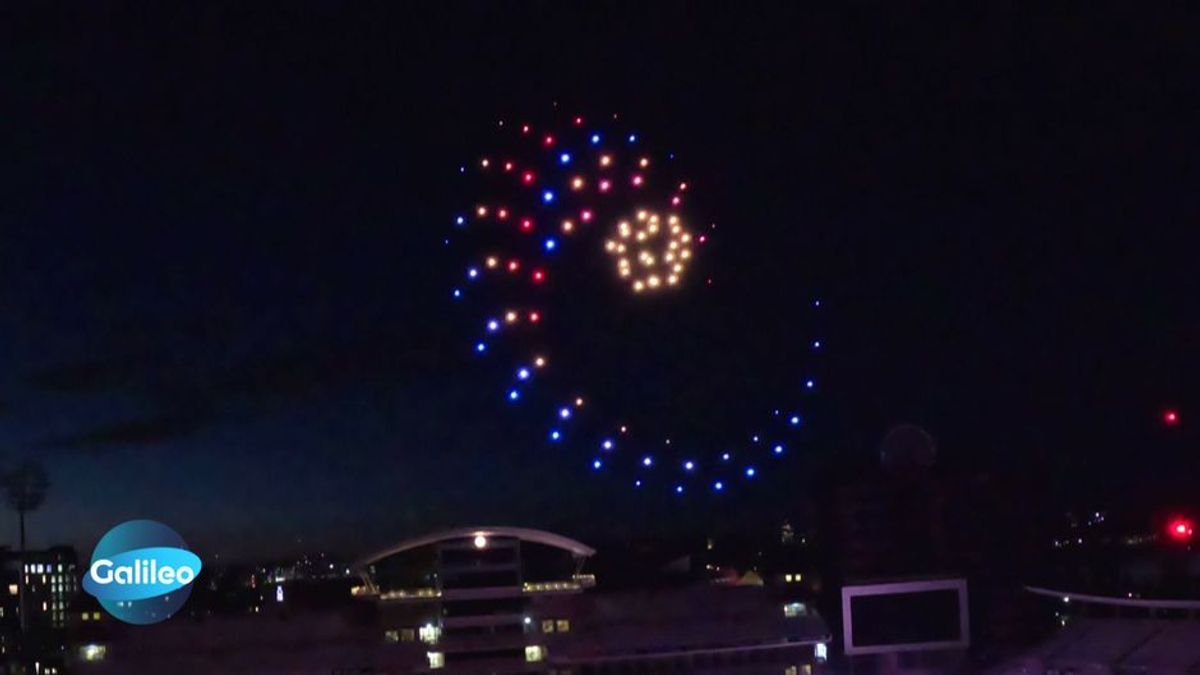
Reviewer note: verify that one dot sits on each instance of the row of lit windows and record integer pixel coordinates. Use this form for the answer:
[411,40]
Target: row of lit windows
[89,616]
[429,634]
[556,626]
[533,654]
[793,578]
[41,568]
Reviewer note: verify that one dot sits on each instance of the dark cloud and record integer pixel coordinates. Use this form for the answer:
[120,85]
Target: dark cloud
[85,377]
[143,432]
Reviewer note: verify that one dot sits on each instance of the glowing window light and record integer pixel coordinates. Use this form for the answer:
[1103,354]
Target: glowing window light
[547,196]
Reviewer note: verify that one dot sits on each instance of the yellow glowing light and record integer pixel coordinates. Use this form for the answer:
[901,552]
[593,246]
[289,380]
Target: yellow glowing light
[661,251]
[481,211]
[484,162]
[577,183]
[539,362]
[605,160]
[510,317]
[568,226]
[644,162]
[491,261]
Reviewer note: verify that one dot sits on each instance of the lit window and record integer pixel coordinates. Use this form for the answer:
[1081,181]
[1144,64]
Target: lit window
[791,670]
[821,651]
[438,659]
[794,609]
[548,626]
[85,616]
[93,652]
[563,626]
[430,633]
[95,616]
[391,636]
[535,653]
[13,590]
[787,578]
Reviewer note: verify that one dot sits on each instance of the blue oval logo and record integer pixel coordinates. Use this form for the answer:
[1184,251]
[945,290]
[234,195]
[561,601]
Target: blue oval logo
[139,561]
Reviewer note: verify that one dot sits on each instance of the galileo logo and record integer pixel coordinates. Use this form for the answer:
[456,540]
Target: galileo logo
[141,572]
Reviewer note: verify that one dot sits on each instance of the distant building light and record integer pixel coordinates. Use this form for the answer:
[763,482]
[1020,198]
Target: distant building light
[93,652]
[534,653]
[480,541]
[279,594]
[820,651]
[436,660]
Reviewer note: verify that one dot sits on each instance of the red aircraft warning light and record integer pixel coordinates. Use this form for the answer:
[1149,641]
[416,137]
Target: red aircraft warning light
[1180,529]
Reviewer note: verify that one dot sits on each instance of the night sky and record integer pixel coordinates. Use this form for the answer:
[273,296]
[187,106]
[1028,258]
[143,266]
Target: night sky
[224,295]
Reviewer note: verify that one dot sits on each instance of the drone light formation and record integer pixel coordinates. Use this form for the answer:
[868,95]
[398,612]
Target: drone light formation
[572,191]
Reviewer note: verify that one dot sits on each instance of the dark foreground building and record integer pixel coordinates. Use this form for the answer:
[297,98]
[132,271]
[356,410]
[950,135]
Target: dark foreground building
[489,600]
